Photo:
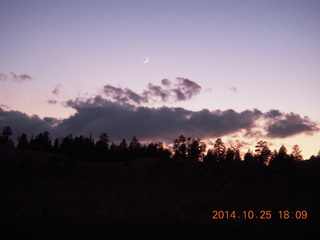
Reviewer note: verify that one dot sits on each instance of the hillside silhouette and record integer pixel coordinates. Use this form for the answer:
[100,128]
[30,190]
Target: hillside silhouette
[51,193]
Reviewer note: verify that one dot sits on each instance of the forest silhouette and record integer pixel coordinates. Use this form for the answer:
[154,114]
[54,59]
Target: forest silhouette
[87,149]
[74,187]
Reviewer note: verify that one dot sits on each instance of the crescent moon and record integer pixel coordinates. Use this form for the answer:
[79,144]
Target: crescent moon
[146,60]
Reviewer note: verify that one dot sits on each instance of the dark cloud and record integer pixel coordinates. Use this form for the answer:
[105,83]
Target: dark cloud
[273,113]
[53,122]
[97,101]
[14,76]
[164,123]
[179,96]
[183,90]
[291,124]
[234,89]
[3,77]
[22,123]
[24,77]
[52,101]
[157,91]
[166,82]
[124,95]
[187,88]
[124,121]
[20,78]
[56,89]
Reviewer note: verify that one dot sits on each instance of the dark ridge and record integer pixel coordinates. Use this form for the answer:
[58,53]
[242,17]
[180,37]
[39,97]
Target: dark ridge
[45,195]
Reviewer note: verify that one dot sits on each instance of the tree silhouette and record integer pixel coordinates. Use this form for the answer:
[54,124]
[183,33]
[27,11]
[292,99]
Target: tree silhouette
[134,144]
[219,150]
[135,148]
[237,156]
[103,142]
[156,150]
[263,152]
[56,146]
[273,156]
[196,148]
[5,137]
[23,141]
[280,158]
[152,149]
[102,146]
[112,151]
[180,147]
[122,149]
[282,154]
[209,157]
[83,147]
[41,142]
[230,154]
[248,157]
[236,150]
[67,145]
[123,145]
[296,153]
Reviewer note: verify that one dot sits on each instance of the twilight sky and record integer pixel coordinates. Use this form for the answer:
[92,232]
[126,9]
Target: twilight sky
[246,70]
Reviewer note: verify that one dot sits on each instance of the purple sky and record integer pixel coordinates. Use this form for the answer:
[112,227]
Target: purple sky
[78,65]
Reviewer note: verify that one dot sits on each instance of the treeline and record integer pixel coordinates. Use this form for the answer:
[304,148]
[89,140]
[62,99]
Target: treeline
[87,149]
[195,148]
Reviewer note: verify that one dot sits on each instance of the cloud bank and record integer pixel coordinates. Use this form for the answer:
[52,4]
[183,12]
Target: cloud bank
[119,121]
[125,121]
[119,113]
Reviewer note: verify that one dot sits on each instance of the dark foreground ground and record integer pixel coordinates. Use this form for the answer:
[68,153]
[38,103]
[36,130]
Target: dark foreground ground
[44,196]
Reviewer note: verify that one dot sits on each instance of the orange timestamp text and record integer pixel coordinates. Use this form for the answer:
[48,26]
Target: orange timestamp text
[262,214]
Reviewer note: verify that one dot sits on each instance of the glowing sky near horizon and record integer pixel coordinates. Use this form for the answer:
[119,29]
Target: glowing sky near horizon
[244,54]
